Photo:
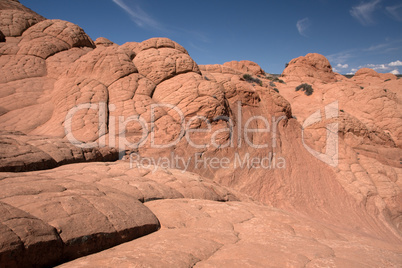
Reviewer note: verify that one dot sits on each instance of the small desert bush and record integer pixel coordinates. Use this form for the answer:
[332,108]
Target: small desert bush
[275,79]
[308,90]
[251,79]
[247,77]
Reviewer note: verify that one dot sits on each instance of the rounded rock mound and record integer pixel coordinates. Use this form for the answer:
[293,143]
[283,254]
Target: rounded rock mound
[364,72]
[52,36]
[312,65]
[104,42]
[245,66]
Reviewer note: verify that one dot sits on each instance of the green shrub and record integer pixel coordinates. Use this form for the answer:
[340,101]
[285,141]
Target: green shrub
[251,79]
[247,77]
[277,90]
[308,90]
[275,79]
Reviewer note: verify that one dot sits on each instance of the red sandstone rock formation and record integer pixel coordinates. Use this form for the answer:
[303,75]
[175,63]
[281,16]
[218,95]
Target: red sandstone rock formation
[65,98]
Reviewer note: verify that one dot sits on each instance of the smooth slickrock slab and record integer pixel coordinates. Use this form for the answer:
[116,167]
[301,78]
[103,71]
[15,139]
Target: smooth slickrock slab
[197,233]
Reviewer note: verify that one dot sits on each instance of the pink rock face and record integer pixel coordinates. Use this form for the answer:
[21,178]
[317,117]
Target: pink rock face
[84,218]
[24,153]
[16,18]
[70,215]
[21,230]
[52,36]
[66,99]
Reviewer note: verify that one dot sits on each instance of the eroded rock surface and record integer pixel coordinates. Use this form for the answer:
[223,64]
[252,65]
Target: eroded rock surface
[61,214]
[65,99]
[15,18]
[20,152]
[199,233]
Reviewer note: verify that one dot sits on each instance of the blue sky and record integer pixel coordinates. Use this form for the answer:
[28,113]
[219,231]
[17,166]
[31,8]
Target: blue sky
[351,34]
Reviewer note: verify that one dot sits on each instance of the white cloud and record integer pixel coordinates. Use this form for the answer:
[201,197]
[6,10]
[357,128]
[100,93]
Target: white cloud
[395,63]
[395,12]
[395,72]
[364,12]
[380,67]
[342,66]
[303,25]
[339,66]
[140,17]
[354,70]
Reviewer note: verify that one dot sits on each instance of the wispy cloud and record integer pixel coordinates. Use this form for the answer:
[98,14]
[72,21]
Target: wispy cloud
[139,16]
[145,20]
[364,12]
[345,56]
[395,72]
[395,11]
[377,47]
[383,48]
[303,25]
[193,33]
[341,57]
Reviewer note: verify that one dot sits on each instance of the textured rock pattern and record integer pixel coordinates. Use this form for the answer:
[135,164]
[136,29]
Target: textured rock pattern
[16,18]
[67,99]
[24,153]
[70,214]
